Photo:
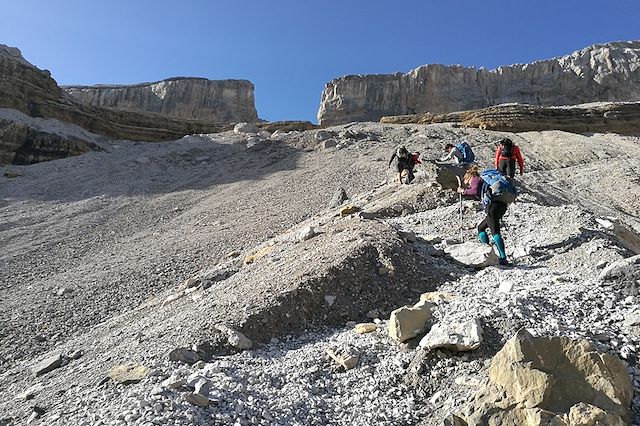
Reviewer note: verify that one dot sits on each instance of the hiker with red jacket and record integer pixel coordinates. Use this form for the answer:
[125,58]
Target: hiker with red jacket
[506,156]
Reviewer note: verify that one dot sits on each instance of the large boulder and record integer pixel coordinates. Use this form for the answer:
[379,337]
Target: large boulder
[552,381]
[464,336]
[323,135]
[128,373]
[473,254]
[447,175]
[407,322]
[246,128]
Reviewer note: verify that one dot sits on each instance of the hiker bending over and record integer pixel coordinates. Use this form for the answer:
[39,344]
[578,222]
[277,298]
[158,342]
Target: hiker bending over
[506,156]
[405,162]
[496,194]
[460,153]
[472,182]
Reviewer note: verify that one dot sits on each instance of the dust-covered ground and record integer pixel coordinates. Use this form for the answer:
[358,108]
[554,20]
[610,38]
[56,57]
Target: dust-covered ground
[92,246]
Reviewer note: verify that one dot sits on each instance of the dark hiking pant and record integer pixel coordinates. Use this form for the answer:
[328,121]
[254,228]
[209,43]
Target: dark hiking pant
[496,210]
[507,166]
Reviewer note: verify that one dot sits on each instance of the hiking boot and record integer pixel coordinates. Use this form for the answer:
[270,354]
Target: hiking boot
[503,262]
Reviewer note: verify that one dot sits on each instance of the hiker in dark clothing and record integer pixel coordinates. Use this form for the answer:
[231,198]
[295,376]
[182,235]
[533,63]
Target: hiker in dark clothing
[498,191]
[506,156]
[403,163]
[495,211]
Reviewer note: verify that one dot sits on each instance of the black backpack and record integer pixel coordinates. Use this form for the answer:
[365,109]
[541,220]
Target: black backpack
[403,154]
[506,148]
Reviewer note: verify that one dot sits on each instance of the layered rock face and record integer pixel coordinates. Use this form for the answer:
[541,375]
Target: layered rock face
[32,91]
[613,117]
[607,72]
[223,101]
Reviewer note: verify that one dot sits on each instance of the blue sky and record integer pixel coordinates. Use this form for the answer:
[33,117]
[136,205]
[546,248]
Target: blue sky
[289,49]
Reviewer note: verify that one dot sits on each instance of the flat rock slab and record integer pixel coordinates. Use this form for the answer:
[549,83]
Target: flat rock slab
[128,373]
[47,365]
[197,399]
[184,355]
[465,336]
[473,254]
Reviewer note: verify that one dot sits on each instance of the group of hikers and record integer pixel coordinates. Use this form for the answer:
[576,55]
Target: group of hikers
[495,188]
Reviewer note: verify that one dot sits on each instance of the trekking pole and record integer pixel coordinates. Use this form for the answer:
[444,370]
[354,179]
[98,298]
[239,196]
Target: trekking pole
[460,200]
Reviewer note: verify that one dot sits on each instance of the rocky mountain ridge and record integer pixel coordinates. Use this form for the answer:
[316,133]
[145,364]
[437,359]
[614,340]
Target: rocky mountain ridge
[218,101]
[604,72]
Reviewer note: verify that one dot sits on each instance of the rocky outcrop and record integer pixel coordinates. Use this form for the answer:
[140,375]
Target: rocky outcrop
[559,381]
[614,117]
[607,72]
[23,144]
[219,101]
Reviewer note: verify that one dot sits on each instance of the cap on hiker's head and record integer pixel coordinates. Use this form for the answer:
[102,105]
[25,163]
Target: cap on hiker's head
[447,147]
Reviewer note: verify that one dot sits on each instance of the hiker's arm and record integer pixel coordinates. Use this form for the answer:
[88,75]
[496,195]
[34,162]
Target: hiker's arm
[448,156]
[520,160]
[458,155]
[497,161]
[391,161]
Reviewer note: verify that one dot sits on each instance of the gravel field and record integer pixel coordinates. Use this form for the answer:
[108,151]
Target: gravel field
[96,247]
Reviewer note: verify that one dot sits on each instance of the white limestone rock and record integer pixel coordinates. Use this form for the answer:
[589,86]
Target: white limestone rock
[246,128]
[473,254]
[408,321]
[465,336]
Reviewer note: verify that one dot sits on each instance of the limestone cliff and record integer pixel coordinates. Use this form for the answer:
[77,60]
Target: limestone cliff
[607,72]
[32,91]
[221,101]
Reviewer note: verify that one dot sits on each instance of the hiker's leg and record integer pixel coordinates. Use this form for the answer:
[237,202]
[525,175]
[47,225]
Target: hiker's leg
[503,165]
[495,213]
[410,175]
[497,210]
[499,242]
[511,168]
[482,233]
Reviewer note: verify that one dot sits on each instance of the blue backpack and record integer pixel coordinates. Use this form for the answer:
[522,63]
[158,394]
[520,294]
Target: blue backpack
[497,187]
[468,156]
